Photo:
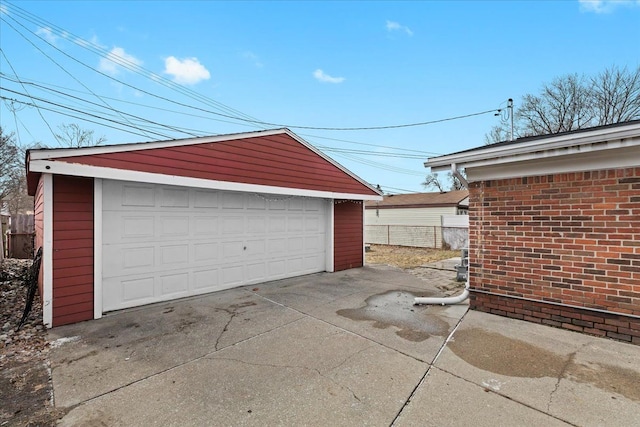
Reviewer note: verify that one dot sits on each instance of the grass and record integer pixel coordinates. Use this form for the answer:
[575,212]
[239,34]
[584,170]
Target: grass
[406,257]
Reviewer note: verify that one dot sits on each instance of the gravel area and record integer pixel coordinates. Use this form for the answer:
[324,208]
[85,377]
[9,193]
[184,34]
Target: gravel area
[25,385]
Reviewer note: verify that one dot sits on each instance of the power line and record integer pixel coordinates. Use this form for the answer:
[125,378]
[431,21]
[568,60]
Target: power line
[419,153]
[25,89]
[134,67]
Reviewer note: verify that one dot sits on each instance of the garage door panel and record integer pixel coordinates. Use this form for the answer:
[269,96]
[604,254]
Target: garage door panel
[174,285]
[173,226]
[256,272]
[233,250]
[205,252]
[232,225]
[232,275]
[255,202]
[174,254]
[206,280]
[256,249]
[295,224]
[231,200]
[256,225]
[174,197]
[164,242]
[277,224]
[277,246]
[119,261]
[205,225]
[205,199]
[137,195]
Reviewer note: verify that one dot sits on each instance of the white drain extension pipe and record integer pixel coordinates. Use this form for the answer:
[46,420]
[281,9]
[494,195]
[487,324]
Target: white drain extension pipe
[444,300]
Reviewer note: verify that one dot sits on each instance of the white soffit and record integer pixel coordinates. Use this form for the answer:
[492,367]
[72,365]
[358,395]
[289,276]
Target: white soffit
[624,140]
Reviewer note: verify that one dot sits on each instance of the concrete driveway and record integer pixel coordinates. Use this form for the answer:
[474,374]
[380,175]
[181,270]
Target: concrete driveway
[346,348]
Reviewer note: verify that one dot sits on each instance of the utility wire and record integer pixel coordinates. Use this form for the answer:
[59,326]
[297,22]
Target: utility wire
[25,89]
[186,130]
[125,63]
[30,104]
[136,67]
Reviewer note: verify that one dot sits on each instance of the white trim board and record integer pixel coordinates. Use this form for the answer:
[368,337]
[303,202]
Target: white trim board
[97,248]
[63,168]
[47,250]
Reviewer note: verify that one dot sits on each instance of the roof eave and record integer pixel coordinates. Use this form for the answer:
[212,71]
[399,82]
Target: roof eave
[552,146]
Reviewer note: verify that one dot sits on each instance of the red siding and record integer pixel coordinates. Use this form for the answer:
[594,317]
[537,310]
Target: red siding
[569,239]
[277,160]
[38,219]
[72,249]
[348,238]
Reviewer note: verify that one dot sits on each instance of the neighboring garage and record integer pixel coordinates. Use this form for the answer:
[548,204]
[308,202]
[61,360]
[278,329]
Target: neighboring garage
[128,225]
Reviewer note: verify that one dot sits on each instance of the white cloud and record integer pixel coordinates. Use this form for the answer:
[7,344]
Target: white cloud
[394,26]
[605,6]
[47,34]
[116,59]
[186,71]
[250,56]
[3,10]
[321,76]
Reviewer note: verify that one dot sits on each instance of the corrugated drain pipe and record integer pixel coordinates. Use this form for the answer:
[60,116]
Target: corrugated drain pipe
[465,294]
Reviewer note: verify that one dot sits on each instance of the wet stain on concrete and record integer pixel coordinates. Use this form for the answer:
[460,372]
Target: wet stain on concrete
[612,379]
[505,356]
[515,358]
[395,308]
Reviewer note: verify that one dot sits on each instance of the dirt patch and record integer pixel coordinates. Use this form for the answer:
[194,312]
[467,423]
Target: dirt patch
[406,257]
[25,387]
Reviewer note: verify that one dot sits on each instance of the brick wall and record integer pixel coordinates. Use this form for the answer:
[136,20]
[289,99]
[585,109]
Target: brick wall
[570,239]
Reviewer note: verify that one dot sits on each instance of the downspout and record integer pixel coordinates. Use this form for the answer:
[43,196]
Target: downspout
[444,300]
[465,294]
[457,174]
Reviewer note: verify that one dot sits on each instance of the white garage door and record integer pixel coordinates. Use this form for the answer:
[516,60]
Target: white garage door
[162,242]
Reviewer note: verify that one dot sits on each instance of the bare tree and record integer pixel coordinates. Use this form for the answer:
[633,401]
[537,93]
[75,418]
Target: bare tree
[433,181]
[72,135]
[616,94]
[563,105]
[573,102]
[9,162]
[10,168]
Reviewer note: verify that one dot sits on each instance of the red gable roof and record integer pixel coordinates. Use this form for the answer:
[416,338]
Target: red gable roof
[277,158]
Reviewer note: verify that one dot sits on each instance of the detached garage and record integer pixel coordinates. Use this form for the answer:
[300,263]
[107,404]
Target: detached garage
[128,225]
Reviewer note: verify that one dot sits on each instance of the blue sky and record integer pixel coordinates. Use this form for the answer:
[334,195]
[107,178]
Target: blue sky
[206,68]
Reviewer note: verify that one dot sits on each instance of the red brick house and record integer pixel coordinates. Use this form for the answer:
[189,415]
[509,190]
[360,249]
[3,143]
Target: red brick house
[555,228]
[133,224]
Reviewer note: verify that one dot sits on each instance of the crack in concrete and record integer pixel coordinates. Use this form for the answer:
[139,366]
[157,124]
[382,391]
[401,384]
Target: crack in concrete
[343,329]
[489,390]
[562,374]
[232,314]
[426,374]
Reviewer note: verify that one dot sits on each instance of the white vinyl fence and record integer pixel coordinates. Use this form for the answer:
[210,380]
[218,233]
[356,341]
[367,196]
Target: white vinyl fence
[453,234]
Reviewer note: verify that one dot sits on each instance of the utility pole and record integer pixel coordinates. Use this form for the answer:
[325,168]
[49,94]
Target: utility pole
[510,107]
